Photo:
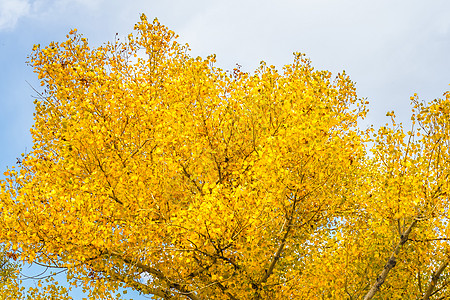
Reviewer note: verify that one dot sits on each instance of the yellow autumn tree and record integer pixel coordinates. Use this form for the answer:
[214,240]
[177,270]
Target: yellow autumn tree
[411,199]
[159,172]
[394,243]
[8,274]
[12,287]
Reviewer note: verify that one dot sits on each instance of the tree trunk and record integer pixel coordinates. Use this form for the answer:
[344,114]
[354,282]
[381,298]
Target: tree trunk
[390,263]
[434,279]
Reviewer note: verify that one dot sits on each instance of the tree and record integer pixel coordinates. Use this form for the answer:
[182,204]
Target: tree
[159,172]
[8,273]
[412,196]
[12,288]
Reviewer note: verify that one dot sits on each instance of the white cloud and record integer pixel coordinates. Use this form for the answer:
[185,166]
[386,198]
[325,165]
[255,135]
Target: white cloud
[11,11]
[45,8]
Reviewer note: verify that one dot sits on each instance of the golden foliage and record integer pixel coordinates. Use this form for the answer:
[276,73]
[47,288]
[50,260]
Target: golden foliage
[159,172]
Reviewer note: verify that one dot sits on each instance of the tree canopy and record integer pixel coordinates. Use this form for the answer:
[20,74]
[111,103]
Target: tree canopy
[159,172]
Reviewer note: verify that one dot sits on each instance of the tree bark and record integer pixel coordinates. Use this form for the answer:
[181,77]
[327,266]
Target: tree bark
[390,263]
[434,279]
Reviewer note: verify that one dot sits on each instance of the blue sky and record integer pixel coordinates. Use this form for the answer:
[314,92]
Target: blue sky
[391,49]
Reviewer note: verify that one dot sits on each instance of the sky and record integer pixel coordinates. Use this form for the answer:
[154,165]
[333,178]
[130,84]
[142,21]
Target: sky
[390,49]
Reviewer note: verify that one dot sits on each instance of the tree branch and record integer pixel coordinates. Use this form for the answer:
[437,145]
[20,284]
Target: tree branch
[158,274]
[277,256]
[434,279]
[390,263]
[143,288]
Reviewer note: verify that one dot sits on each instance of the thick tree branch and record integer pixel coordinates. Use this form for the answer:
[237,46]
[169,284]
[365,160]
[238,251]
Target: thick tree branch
[188,176]
[158,274]
[277,256]
[390,263]
[434,279]
[224,289]
[143,288]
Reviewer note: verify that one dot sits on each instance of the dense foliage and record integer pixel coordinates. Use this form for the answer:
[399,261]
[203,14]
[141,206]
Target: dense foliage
[159,172]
